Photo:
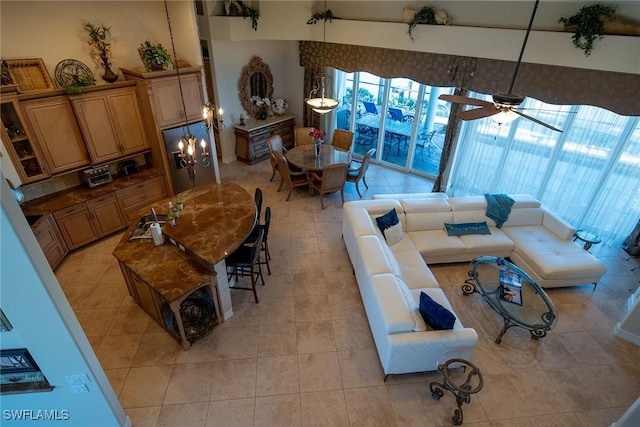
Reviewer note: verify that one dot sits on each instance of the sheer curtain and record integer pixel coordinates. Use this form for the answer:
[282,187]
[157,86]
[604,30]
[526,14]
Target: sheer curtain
[589,174]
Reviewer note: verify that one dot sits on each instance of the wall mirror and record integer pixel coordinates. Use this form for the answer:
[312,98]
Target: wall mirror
[256,80]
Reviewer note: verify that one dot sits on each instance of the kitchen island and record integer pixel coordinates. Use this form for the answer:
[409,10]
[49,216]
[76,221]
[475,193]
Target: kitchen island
[183,283]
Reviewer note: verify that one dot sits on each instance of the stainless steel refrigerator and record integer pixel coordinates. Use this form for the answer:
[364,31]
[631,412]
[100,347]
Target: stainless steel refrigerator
[179,171]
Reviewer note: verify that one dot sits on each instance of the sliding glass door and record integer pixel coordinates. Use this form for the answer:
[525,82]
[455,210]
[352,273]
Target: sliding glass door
[402,119]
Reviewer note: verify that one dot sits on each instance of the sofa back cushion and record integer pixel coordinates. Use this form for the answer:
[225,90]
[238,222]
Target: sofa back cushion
[374,256]
[361,214]
[426,214]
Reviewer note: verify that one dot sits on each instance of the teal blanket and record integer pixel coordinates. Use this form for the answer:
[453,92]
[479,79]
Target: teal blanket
[498,207]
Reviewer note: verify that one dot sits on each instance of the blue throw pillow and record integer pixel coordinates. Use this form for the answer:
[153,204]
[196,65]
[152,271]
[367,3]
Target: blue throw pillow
[435,315]
[387,220]
[467,228]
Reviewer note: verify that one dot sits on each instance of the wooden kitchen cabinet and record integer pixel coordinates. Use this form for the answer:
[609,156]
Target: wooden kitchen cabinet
[251,139]
[55,127]
[20,145]
[164,94]
[51,241]
[111,123]
[88,221]
[136,196]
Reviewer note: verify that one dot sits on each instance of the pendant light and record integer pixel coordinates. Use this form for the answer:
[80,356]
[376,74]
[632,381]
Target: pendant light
[322,104]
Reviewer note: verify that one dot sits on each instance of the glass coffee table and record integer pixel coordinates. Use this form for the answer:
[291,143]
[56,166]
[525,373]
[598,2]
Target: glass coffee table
[512,294]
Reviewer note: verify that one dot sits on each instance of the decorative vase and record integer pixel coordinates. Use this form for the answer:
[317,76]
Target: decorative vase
[261,114]
[109,76]
[279,106]
[317,145]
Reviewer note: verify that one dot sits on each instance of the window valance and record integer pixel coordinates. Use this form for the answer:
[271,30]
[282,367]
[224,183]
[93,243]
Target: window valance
[551,84]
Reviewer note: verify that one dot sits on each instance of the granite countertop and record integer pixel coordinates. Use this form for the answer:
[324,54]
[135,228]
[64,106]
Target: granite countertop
[71,196]
[215,221]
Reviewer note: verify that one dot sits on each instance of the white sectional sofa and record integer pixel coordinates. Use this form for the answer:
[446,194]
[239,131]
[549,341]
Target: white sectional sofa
[532,237]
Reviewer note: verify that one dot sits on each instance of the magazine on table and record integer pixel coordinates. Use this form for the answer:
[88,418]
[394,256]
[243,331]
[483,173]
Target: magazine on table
[510,287]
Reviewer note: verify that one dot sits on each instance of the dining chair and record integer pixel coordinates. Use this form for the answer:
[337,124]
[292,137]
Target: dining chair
[257,197]
[292,179]
[358,169]
[245,261]
[332,179]
[265,244]
[275,144]
[302,136]
[342,139]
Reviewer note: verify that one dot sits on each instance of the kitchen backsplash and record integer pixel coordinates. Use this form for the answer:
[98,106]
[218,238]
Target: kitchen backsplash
[64,182]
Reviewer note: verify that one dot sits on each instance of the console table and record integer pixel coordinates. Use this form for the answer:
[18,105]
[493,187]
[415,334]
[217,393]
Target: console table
[251,139]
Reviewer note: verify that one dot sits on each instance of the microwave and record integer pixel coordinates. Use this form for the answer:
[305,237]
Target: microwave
[96,176]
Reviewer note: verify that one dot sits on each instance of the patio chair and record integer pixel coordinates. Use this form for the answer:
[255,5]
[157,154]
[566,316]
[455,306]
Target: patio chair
[425,141]
[342,139]
[396,114]
[332,179]
[370,107]
[358,168]
[367,135]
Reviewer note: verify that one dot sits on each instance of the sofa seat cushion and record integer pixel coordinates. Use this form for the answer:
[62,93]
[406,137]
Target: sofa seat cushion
[388,305]
[436,242]
[552,257]
[495,243]
[414,271]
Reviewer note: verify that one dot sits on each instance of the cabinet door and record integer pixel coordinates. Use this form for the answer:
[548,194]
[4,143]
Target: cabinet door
[111,123]
[99,134]
[20,146]
[167,102]
[57,132]
[75,225]
[105,214]
[127,121]
[50,241]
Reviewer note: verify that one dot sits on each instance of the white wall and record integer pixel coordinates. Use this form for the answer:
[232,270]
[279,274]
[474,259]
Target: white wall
[52,30]
[44,323]
[228,60]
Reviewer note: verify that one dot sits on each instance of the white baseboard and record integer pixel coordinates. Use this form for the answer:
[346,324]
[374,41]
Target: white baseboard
[626,335]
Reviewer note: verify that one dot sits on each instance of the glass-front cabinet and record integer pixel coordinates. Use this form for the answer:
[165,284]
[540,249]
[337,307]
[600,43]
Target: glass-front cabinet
[20,144]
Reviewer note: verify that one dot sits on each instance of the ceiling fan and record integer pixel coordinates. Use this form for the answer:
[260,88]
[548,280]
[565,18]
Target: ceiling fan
[504,103]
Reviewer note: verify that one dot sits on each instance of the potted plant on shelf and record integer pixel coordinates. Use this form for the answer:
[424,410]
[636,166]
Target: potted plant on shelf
[426,15]
[249,12]
[325,16]
[101,48]
[78,84]
[588,25]
[154,56]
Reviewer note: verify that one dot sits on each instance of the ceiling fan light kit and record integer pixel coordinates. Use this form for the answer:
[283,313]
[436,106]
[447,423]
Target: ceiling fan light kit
[503,109]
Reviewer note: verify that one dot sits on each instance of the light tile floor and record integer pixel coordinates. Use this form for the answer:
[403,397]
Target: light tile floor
[305,356]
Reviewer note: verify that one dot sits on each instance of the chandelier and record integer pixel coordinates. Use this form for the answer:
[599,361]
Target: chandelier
[321,104]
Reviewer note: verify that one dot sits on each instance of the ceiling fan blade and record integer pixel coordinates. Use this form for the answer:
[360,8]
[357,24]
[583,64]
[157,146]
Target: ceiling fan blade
[478,113]
[536,120]
[465,100]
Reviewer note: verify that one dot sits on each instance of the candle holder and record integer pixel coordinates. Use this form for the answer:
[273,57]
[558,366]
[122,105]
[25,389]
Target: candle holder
[190,158]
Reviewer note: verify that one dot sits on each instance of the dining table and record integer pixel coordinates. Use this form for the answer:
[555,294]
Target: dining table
[303,157]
